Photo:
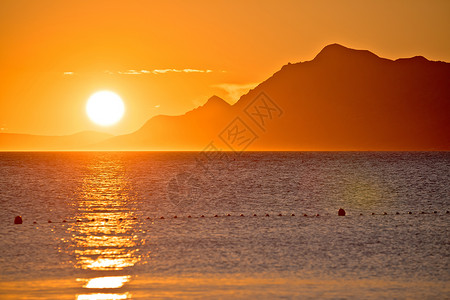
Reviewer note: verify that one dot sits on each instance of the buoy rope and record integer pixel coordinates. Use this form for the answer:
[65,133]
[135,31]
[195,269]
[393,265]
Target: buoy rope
[254,215]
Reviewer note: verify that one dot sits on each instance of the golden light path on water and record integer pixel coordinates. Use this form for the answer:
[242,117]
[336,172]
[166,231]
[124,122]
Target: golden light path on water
[110,282]
[104,240]
[103,296]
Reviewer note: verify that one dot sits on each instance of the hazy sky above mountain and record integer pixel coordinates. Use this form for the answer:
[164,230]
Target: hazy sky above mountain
[167,57]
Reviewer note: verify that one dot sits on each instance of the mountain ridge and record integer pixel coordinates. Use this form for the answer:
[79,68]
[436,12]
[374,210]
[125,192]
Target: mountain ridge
[369,84]
[343,99]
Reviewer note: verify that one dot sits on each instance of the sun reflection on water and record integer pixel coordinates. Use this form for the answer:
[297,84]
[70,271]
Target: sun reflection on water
[105,238]
[107,282]
[103,296]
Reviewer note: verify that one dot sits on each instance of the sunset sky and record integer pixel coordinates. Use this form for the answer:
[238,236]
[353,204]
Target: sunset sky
[167,57]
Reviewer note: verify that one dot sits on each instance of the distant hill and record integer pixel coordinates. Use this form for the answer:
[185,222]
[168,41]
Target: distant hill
[26,142]
[191,131]
[344,99]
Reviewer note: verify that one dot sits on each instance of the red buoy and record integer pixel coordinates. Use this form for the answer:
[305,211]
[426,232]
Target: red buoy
[18,220]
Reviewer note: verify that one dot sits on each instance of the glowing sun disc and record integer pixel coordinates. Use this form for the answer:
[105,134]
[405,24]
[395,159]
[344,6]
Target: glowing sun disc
[105,108]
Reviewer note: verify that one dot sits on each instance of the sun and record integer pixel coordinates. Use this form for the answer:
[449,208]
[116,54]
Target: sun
[105,108]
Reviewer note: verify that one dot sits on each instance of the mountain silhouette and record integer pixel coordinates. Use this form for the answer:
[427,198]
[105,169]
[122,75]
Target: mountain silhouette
[191,131]
[344,99]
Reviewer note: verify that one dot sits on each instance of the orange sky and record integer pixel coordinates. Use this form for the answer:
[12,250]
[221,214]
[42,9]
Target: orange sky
[240,42]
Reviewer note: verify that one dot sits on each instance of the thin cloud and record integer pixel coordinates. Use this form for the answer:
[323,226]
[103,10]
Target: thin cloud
[68,73]
[196,71]
[129,72]
[159,71]
[235,91]
[164,71]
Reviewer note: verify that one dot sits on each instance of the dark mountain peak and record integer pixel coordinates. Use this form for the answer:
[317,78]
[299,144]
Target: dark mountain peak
[212,106]
[415,59]
[338,52]
[216,101]
[344,99]
[334,48]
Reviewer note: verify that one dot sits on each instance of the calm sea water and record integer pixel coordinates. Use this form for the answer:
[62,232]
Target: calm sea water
[115,245]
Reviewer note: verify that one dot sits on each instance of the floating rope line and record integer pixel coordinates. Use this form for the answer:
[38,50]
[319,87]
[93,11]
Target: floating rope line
[19,220]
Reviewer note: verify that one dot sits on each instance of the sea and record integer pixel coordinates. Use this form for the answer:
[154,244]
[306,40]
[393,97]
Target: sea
[225,225]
